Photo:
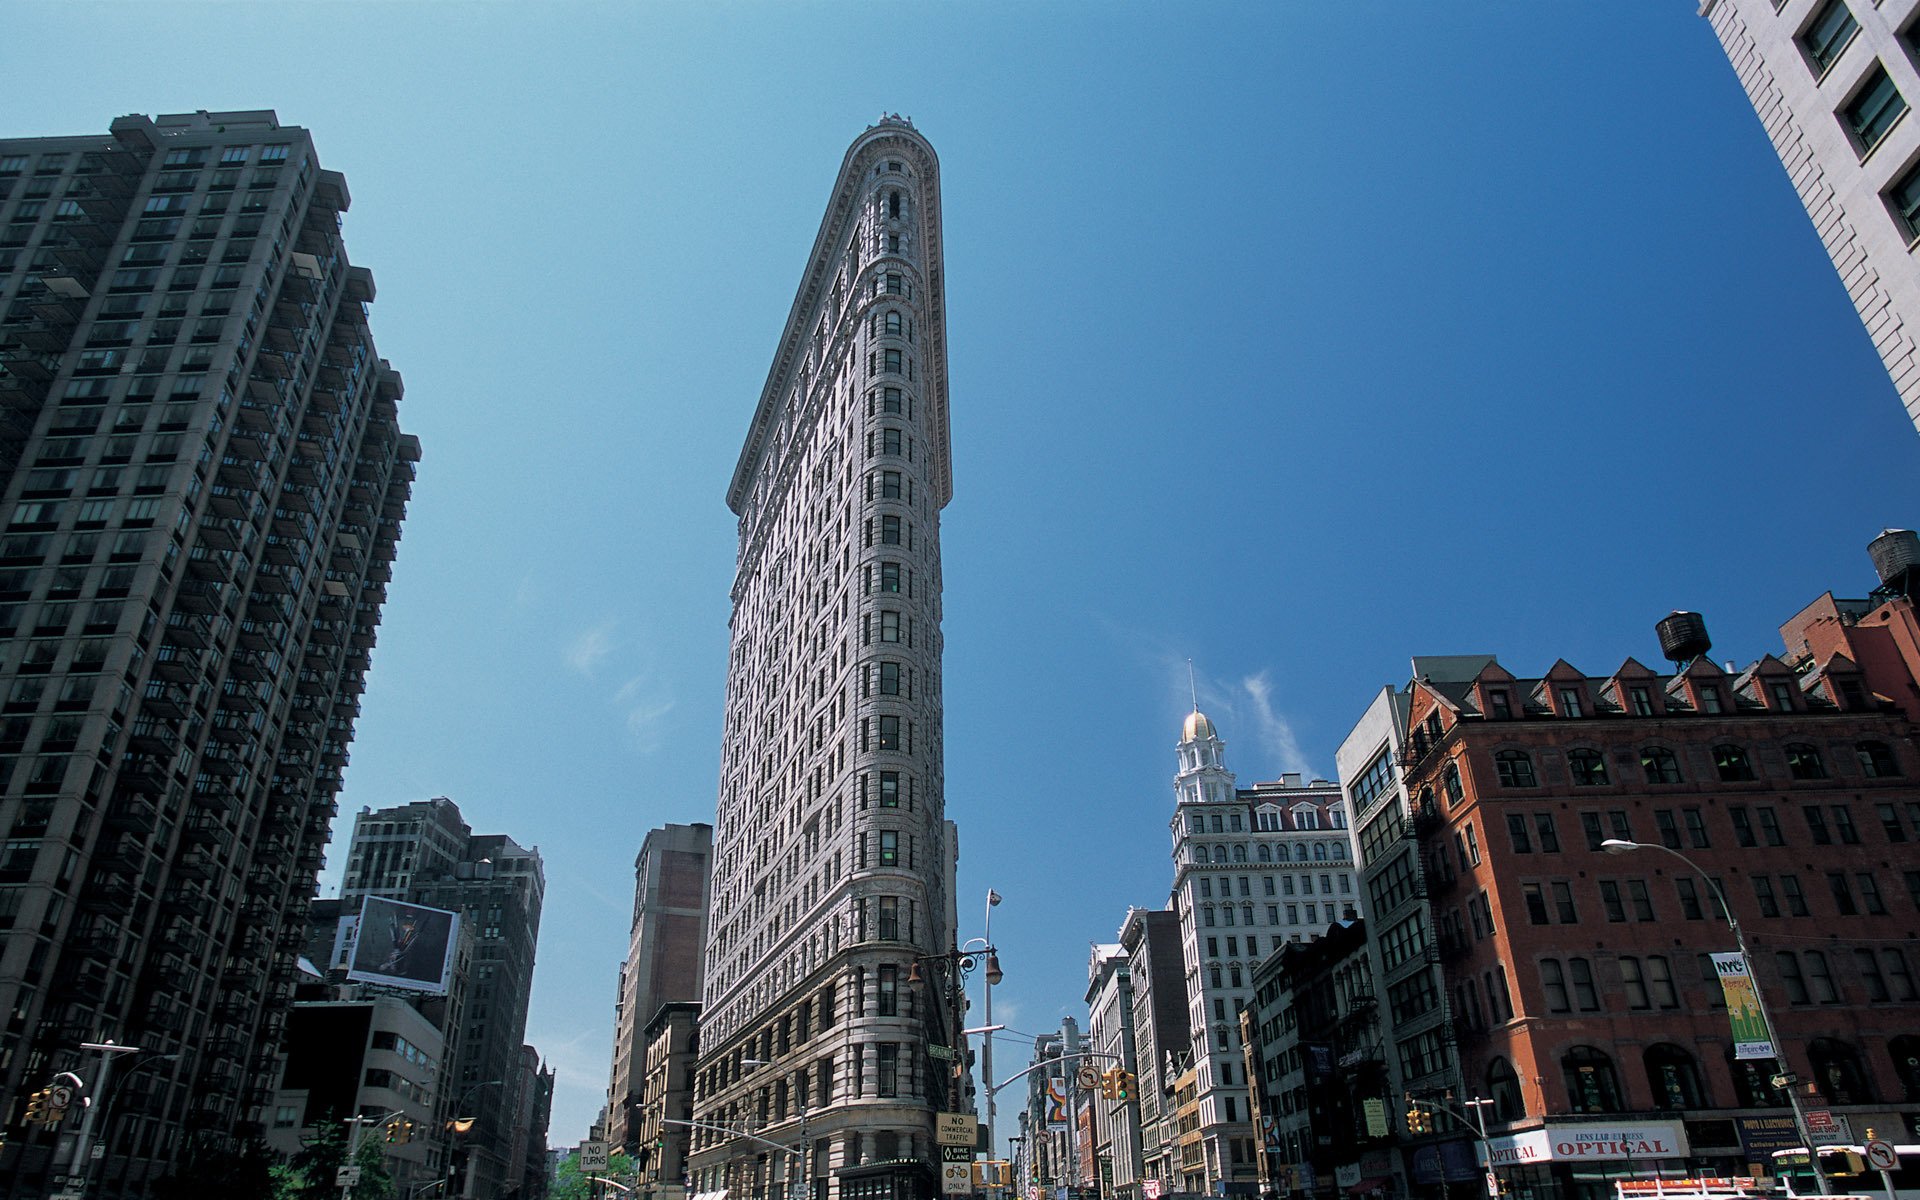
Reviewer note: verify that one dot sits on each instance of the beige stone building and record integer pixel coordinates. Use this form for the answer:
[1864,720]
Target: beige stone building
[833,858]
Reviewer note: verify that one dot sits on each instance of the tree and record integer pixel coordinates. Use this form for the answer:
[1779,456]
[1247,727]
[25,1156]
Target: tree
[311,1174]
[209,1171]
[570,1184]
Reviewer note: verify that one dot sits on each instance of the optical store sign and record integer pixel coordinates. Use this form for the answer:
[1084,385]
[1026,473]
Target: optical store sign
[1590,1143]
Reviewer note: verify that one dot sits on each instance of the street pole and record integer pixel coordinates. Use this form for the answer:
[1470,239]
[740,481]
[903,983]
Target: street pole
[1622,846]
[986,1040]
[82,1165]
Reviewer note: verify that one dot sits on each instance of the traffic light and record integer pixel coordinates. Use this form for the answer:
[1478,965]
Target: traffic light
[404,1128]
[37,1108]
[1110,1084]
[1418,1119]
[1124,1091]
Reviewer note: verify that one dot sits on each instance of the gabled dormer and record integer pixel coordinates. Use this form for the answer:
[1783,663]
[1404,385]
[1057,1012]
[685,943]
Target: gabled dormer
[1496,693]
[1637,690]
[1772,685]
[1565,692]
[1702,687]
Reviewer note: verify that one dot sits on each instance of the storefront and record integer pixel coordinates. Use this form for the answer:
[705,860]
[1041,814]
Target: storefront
[1584,1161]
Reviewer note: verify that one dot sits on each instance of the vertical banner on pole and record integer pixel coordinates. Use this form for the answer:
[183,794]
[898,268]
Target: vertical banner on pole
[1743,1008]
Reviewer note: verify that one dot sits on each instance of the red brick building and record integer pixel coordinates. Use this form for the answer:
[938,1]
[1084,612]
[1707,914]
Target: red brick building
[1582,998]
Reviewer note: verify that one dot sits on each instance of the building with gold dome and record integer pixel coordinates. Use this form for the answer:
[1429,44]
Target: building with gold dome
[1254,868]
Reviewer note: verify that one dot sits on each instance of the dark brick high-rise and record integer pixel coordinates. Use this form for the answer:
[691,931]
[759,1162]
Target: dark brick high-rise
[203,482]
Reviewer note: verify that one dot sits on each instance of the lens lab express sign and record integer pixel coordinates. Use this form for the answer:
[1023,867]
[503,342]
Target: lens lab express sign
[1640,1140]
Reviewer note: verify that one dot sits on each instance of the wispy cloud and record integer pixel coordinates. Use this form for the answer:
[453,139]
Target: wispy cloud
[589,649]
[1270,726]
[579,1064]
[646,703]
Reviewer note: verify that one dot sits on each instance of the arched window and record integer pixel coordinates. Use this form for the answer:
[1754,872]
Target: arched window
[1514,768]
[1804,761]
[1732,763]
[1220,854]
[1239,853]
[1905,1052]
[1876,759]
[1503,1086]
[1450,783]
[1197,853]
[1587,767]
[1674,1077]
[1592,1084]
[1320,851]
[1300,852]
[1836,1067]
[1753,1081]
[1266,854]
[1659,765]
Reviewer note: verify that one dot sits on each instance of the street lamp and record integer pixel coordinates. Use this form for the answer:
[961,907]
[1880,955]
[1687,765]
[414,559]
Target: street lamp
[461,1126]
[1623,846]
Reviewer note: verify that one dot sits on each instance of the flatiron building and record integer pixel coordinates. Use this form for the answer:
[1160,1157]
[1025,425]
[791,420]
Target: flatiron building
[832,857]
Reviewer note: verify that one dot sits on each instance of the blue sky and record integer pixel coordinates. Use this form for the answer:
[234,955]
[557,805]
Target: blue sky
[1292,338]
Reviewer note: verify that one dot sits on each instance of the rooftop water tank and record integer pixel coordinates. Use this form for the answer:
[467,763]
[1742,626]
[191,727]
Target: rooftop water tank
[1683,636]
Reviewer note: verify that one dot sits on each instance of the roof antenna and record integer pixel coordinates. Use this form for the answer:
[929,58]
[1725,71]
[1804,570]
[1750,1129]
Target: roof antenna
[1192,688]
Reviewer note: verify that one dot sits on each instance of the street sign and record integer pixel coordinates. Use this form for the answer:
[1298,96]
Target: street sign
[954,1154]
[1087,1077]
[955,1129]
[1493,1185]
[1824,1123]
[1881,1156]
[938,1051]
[60,1095]
[956,1179]
[593,1158]
[346,1176]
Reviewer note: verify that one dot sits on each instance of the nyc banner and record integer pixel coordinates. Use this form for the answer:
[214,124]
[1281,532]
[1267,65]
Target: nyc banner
[1743,1008]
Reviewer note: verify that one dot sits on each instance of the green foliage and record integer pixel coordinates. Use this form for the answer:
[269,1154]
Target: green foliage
[208,1172]
[310,1174]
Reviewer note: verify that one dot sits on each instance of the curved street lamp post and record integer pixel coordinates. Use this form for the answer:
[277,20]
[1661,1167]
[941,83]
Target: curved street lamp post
[1623,846]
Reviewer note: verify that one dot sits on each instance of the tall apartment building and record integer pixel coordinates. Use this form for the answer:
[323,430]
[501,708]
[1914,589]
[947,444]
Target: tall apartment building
[668,934]
[499,887]
[1111,1035]
[203,482]
[1832,81]
[833,860]
[1254,868]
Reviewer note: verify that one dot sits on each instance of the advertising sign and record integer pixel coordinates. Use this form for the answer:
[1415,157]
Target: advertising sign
[1590,1143]
[1761,1136]
[1376,1110]
[1056,1104]
[404,945]
[1743,1008]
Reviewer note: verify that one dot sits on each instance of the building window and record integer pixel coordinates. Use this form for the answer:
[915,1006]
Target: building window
[1514,768]
[1570,702]
[1674,1077]
[1500,708]
[1873,110]
[1804,762]
[1588,767]
[1903,201]
[1659,765]
[1592,1084]
[1517,833]
[889,789]
[1828,35]
[1876,760]
[1732,764]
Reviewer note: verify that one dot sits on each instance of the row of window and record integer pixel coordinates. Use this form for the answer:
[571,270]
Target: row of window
[1300,816]
[1732,764]
[1262,852]
[1286,885]
[1313,914]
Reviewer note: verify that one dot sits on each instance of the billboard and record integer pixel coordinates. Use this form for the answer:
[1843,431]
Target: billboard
[403,945]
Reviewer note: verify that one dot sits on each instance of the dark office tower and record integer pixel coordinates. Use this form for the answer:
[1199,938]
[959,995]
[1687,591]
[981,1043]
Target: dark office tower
[498,887]
[832,856]
[664,952]
[203,485]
